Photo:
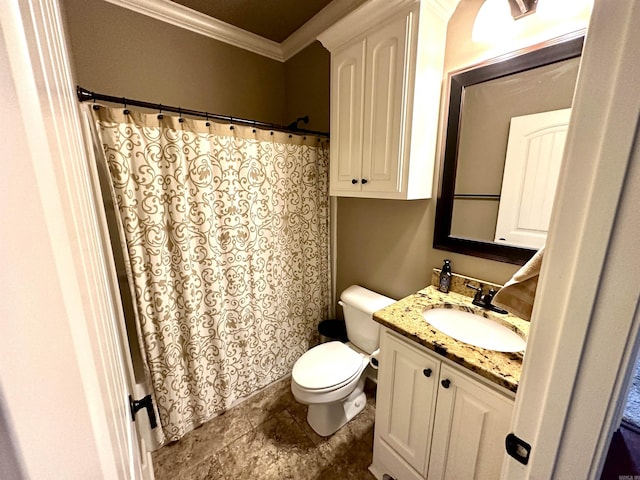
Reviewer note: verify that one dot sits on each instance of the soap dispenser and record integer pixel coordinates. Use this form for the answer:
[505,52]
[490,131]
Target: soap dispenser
[445,277]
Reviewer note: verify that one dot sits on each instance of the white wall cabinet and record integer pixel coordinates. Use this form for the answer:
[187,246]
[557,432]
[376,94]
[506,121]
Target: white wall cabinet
[433,420]
[385,97]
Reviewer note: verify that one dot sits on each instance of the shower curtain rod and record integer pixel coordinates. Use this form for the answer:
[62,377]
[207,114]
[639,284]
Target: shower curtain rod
[85,95]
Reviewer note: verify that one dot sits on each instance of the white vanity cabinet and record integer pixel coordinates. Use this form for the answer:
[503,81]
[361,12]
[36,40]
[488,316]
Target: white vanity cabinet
[386,77]
[433,420]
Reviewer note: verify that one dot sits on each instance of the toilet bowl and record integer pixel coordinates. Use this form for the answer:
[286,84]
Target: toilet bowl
[330,377]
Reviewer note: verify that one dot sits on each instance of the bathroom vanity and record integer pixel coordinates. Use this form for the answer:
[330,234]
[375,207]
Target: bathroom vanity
[443,407]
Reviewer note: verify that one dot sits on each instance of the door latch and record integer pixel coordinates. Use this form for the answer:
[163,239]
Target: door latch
[146,403]
[517,448]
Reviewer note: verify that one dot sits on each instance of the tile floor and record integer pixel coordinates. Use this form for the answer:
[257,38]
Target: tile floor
[267,437]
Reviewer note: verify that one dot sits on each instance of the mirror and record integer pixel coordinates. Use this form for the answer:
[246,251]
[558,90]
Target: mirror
[475,180]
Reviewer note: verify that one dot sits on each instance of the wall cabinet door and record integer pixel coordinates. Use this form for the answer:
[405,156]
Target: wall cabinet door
[347,89]
[385,67]
[471,423]
[406,398]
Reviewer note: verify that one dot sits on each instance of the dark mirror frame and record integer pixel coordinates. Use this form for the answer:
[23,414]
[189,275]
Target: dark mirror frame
[562,48]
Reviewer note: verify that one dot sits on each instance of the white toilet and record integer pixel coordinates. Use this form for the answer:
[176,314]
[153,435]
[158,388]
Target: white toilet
[330,377]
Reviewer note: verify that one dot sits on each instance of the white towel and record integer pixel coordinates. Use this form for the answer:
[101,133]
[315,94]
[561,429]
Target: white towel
[518,294]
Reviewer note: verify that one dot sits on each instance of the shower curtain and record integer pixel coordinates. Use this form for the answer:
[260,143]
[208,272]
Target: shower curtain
[226,235]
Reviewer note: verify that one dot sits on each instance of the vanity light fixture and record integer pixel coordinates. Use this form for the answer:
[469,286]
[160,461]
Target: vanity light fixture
[493,22]
[496,22]
[495,19]
[522,8]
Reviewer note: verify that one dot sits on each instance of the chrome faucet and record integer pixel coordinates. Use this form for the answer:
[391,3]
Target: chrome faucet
[484,300]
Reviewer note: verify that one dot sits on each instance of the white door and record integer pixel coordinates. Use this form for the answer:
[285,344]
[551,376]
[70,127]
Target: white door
[532,165]
[67,393]
[586,315]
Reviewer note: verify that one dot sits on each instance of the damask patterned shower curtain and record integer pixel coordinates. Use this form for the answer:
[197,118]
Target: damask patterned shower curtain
[227,241]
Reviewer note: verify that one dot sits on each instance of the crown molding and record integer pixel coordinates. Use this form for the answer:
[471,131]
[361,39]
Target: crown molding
[321,21]
[370,13]
[183,17]
[366,16]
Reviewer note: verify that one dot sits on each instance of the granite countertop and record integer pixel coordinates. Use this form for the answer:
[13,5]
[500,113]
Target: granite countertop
[405,317]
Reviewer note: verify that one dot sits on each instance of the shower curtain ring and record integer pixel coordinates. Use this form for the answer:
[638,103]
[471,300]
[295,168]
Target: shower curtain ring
[160,116]
[126,110]
[231,121]
[95,107]
[207,123]
[180,119]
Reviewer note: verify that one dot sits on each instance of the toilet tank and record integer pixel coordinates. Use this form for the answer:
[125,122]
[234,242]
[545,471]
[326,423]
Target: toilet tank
[358,305]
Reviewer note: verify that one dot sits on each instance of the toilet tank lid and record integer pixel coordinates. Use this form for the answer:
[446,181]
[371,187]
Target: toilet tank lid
[365,300]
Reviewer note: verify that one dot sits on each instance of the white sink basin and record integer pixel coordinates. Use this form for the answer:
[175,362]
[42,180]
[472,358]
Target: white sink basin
[475,330]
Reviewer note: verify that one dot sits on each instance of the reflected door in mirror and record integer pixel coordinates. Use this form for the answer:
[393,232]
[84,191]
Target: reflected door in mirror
[534,155]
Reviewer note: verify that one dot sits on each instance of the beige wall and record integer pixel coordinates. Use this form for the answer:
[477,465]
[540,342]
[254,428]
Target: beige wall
[307,77]
[383,244]
[119,52]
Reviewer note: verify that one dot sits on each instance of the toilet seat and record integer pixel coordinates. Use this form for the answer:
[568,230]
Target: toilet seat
[333,388]
[327,367]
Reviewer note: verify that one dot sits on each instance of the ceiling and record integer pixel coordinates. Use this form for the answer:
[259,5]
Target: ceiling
[271,19]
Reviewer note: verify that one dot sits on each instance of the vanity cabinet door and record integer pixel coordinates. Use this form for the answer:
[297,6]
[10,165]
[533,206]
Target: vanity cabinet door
[405,406]
[471,423]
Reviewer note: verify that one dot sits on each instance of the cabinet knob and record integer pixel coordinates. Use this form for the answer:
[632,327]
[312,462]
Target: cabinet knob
[354,181]
[426,372]
[446,382]
[364,180]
